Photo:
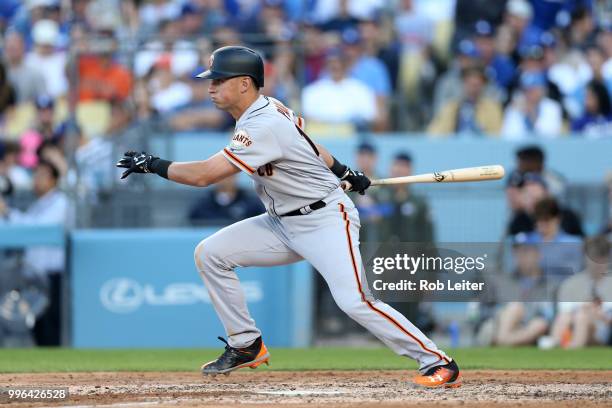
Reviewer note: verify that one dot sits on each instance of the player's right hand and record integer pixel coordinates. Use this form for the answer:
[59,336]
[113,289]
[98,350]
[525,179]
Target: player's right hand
[135,163]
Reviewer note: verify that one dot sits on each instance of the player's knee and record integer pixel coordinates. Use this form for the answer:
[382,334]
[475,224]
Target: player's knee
[208,253]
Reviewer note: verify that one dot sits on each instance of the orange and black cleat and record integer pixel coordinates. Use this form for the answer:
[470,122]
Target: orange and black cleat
[447,376]
[235,358]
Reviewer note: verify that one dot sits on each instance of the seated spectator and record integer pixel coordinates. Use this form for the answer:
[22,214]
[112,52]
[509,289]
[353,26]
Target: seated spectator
[405,213]
[338,99]
[27,81]
[225,203]
[449,85]
[199,113]
[101,78]
[531,114]
[500,66]
[45,58]
[524,311]
[531,159]
[167,93]
[571,75]
[561,252]
[44,129]
[367,204]
[533,190]
[51,207]
[472,113]
[596,121]
[584,312]
[371,71]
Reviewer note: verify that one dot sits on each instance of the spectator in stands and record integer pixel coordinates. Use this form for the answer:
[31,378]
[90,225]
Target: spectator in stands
[314,52]
[601,69]
[469,12]
[8,96]
[190,20]
[571,73]
[27,81]
[51,207]
[44,129]
[584,314]
[524,311]
[368,204]
[532,191]
[531,159]
[167,93]
[225,202]
[46,59]
[450,86]
[471,114]
[371,72]
[377,42]
[101,77]
[500,66]
[596,121]
[406,215]
[342,19]
[531,114]
[280,81]
[199,113]
[561,252]
[518,18]
[6,185]
[582,28]
[338,99]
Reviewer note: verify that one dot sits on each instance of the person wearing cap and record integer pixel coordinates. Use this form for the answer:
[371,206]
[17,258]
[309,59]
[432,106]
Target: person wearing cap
[450,86]
[473,113]
[366,159]
[584,308]
[501,67]
[46,59]
[371,71]
[406,215]
[523,308]
[531,159]
[533,189]
[531,114]
[101,77]
[339,99]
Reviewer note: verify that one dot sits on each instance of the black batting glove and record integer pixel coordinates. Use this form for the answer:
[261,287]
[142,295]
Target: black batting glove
[136,163]
[358,180]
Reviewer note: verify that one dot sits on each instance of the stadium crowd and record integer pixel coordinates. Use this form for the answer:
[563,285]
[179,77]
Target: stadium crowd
[75,75]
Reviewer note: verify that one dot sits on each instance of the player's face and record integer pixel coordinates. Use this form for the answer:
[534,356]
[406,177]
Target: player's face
[225,92]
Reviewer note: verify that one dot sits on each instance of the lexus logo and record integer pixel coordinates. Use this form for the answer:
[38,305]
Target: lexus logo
[121,295]
[125,295]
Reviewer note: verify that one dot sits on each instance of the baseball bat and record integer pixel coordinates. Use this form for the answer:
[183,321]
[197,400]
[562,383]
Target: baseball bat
[480,173]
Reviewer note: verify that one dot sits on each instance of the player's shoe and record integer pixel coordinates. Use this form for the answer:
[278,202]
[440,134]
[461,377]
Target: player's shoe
[447,376]
[234,358]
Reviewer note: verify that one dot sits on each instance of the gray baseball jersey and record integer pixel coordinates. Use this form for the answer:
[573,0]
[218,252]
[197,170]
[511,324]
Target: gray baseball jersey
[270,146]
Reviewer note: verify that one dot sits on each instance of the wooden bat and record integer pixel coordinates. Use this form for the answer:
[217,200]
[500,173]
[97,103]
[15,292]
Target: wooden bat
[480,173]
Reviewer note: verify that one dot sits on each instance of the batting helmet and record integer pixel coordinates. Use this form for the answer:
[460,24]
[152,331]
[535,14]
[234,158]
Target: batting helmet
[233,61]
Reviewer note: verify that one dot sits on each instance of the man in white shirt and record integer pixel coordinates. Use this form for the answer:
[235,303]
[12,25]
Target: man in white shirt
[46,59]
[531,114]
[337,99]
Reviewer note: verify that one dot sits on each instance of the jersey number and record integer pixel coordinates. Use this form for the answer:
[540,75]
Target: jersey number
[265,170]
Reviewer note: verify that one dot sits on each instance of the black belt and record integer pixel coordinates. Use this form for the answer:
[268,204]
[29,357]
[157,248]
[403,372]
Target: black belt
[306,209]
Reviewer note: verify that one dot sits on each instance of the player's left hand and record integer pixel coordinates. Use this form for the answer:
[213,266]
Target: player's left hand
[135,163]
[358,181]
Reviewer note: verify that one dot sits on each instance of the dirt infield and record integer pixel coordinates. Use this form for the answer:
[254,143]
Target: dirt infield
[319,389]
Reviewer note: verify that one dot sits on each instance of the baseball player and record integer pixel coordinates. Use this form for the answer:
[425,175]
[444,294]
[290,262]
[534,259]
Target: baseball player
[308,216]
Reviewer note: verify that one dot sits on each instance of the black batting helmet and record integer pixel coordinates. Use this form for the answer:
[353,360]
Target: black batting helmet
[233,61]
